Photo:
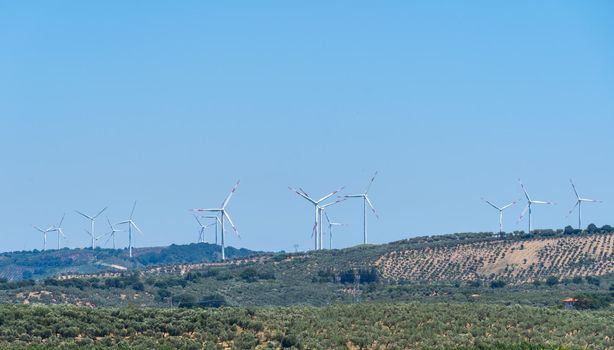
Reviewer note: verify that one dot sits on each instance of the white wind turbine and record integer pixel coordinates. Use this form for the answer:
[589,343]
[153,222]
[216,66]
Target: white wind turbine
[224,214]
[530,202]
[317,208]
[365,201]
[130,224]
[330,230]
[322,209]
[112,233]
[578,204]
[92,219]
[500,209]
[59,230]
[217,221]
[44,232]
[203,227]
[94,238]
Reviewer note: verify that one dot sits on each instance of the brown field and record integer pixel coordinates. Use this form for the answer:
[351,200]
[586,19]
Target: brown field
[513,261]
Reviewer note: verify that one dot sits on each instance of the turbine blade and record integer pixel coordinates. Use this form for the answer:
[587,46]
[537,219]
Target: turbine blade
[85,216]
[136,227]
[371,205]
[315,228]
[509,205]
[234,189]
[492,205]
[333,203]
[524,190]
[370,183]
[109,221]
[327,219]
[232,224]
[196,217]
[100,212]
[541,202]
[590,200]
[302,195]
[38,229]
[208,209]
[574,189]
[61,220]
[524,212]
[132,212]
[330,194]
[572,209]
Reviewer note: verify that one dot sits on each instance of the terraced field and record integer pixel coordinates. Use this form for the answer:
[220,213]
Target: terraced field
[513,261]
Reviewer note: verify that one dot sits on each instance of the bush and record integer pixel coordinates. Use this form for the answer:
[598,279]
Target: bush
[552,281]
[497,284]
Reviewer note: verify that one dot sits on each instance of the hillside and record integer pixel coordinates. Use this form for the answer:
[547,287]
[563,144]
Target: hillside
[515,261]
[42,264]
[469,267]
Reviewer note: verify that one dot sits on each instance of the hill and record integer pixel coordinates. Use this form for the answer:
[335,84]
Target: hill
[41,264]
[538,269]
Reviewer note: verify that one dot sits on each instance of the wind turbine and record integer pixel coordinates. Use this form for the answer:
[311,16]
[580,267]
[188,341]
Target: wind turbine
[317,209]
[500,209]
[94,238]
[130,224]
[59,230]
[530,202]
[112,233]
[217,221]
[330,230]
[321,209]
[578,204]
[92,219]
[203,227]
[224,214]
[44,232]
[365,201]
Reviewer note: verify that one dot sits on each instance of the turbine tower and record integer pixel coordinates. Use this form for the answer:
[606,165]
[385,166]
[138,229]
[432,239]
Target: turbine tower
[112,233]
[92,219]
[578,204]
[59,230]
[365,201]
[330,230]
[130,224]
[94,238]
[316,205]
[44,232]
[500,209]
[224,214]
[530,202]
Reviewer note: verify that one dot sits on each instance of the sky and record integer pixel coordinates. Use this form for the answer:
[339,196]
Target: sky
[170,103]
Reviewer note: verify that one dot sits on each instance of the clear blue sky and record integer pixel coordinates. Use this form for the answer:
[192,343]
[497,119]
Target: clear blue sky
[169,103]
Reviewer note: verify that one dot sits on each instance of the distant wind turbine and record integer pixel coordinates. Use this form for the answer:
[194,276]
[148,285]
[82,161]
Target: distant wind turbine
[500,209]
[130,224]
[578,204]
[224,214]
[44,232]
[316,205]
[92,219]
[203,227]
[112,233]
[365,201]
[59,230]
[530,202]
[330,230]
[322,209]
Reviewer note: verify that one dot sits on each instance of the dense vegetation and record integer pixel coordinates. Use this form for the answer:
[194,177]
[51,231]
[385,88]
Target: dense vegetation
[40,264]
[364,326]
